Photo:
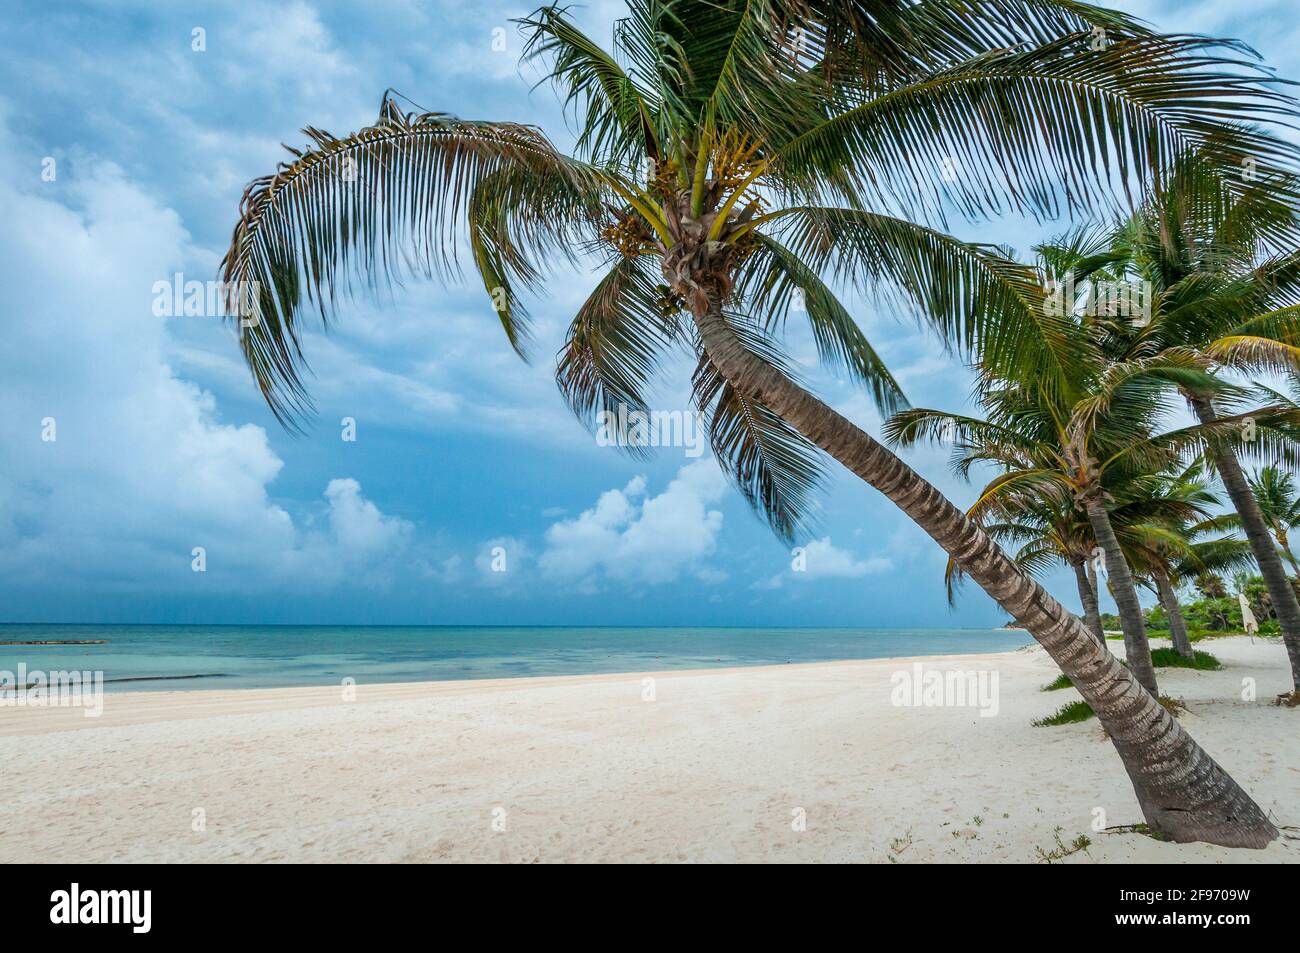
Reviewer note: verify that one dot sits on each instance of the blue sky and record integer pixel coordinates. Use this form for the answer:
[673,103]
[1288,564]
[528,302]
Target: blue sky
[163,445]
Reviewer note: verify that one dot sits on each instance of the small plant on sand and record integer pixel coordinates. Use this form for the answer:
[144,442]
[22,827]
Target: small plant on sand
[1175,706]
[1201,661]
[1143,829]
[898,845]
[1067,714]
[1063,850]
[1061,681]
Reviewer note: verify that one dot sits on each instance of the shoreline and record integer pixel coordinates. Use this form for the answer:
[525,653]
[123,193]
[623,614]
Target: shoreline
[187,660]
[789,762]
[405,686]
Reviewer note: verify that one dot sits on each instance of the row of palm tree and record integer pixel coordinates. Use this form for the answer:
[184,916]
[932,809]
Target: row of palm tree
[1220,285]
[734,153]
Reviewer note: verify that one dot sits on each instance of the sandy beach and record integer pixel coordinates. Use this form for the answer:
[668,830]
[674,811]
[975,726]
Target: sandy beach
[786,763]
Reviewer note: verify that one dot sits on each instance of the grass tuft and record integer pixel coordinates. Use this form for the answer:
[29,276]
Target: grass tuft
[1067,714]
[1061,681]
[1169,658]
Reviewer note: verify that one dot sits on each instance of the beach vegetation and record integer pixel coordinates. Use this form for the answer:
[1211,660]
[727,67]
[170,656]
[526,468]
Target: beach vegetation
[1060,850]
[1056,684]
[1070,713]
[1171,658]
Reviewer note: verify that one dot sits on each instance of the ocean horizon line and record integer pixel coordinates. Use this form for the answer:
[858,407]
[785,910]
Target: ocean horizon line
[506,625]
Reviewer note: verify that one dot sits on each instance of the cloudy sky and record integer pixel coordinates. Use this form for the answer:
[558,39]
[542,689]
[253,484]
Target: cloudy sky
[127,439]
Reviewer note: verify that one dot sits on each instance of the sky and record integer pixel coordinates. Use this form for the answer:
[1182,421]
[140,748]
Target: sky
[470,494]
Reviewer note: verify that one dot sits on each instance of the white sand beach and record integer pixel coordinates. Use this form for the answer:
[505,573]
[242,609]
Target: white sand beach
[719,766]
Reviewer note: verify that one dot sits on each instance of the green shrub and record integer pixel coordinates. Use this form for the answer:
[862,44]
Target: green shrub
[1169,658]
[1061,681]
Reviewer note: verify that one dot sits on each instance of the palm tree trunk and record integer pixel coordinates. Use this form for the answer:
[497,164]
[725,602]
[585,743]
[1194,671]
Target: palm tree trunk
[1096,587]
[1182,791]
[1280,592]
[1284,544]
[1088,596]
[1177,625]
[1137,651]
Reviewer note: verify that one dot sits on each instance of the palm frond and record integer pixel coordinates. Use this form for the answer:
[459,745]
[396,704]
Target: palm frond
[614,346]
[978,300]
[775,467]
[774,281]
[381,203]
[1060,126]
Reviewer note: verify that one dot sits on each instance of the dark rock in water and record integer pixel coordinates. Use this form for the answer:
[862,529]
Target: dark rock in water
[167,678]
[59,642]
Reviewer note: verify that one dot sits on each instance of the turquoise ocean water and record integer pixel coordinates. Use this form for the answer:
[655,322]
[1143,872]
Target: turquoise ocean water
[156,657]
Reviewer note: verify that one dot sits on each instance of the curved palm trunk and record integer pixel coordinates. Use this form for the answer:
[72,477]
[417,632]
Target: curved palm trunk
[1137,651]
[1182,791]
[1088,596]
[1177,625]
[1279,587]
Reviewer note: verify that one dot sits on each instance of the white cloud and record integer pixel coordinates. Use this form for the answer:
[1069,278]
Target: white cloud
[142,468]
[630,536]
[290,46]
[357,523]
[822,559]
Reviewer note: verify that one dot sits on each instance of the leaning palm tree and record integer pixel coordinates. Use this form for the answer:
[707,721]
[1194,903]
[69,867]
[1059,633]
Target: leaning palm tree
[1083,438]
[730,157]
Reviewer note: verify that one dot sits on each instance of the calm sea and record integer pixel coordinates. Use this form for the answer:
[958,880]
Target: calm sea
[155,657]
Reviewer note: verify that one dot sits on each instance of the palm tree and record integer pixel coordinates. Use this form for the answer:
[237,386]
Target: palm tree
[732,153]
[1086,443]
[1162,526]
[1165,534]
[1049,530]
[1279,504]
[1225,280]
[1204,558]
[1211,586]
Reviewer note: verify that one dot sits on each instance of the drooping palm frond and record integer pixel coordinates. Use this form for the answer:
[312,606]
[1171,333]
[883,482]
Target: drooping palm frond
[972,439]
[1224,555]
[521,227]
[775,282]
[383,202]
[977,298]
[614,346]
[1279,500]
[775,467]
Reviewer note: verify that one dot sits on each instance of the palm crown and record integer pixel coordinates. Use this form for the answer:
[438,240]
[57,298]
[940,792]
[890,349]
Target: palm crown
[749,154]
